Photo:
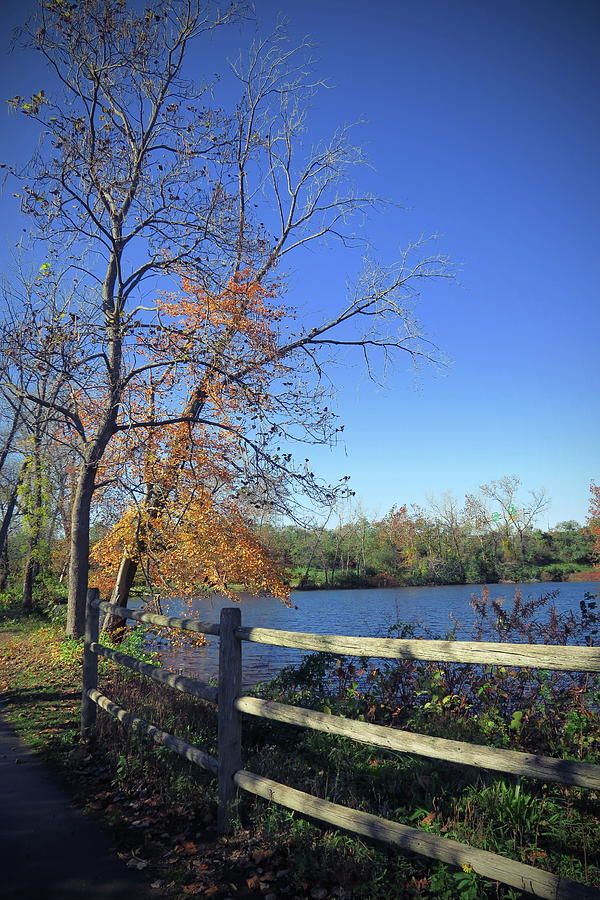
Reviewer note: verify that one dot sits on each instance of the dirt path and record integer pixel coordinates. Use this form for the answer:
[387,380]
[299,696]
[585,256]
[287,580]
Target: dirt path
[49,849]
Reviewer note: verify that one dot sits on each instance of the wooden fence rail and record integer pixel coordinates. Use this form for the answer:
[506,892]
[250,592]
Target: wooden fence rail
[526,656]
[231,704]
[498,868]
[545,768]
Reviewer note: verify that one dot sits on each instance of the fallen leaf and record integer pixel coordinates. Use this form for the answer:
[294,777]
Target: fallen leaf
[428,819]
[261,856]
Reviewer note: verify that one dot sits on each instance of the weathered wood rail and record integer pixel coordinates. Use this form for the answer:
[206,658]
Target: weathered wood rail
[231,704]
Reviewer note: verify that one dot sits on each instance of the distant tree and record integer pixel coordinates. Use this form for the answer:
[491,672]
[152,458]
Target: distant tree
[514,515]
[570,542]
[455,530]
[593,522]
[402,528]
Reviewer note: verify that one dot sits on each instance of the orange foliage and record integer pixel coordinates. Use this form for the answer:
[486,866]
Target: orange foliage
[187,555]
[403,534]
[593,524]
[189,534]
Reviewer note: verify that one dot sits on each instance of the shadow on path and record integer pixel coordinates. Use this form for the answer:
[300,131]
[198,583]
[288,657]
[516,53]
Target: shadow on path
[26,695]
[49,849]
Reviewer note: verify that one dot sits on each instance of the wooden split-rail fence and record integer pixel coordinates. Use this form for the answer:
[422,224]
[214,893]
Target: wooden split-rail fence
[231,704]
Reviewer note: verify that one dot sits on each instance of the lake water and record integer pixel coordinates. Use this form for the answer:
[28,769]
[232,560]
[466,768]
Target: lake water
[367,612]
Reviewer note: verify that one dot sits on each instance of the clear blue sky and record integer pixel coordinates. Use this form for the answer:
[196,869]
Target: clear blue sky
[482,119]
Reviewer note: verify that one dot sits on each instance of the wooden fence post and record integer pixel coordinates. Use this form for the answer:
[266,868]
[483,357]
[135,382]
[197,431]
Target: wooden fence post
[90,664]
[230,720]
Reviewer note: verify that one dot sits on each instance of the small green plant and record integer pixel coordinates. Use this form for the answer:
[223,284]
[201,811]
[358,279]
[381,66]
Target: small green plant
[135,643]
[465,884]
[70,650]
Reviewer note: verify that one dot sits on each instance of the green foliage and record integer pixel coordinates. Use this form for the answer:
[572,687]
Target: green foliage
[135,643]
[10,604]
[360,552]
[35,495]
[70,650]
[448,884]
[49,597]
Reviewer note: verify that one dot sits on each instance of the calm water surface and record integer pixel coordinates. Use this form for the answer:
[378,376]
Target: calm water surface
[367,612]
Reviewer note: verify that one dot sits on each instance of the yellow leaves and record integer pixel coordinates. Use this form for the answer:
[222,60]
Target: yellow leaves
[29,107]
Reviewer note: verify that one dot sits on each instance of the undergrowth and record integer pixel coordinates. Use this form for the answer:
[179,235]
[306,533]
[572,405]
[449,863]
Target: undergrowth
[551,826]
[555,714]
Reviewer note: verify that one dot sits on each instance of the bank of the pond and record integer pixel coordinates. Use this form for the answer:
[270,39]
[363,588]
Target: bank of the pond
[352,578]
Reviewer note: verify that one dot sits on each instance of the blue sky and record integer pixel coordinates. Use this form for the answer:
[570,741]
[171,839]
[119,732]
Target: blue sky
[481,119]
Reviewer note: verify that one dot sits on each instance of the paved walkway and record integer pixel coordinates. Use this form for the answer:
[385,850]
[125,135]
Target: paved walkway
[49,849]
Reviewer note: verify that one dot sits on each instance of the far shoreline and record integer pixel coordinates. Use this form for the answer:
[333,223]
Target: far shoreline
[589,576]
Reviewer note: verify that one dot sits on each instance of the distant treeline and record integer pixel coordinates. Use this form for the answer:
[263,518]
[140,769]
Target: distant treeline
[442,545]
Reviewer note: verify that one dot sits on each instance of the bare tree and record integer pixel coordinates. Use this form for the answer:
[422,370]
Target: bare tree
[454,523]
[127,148]
[307,192]
[513,515]
[10,413]
[141,179]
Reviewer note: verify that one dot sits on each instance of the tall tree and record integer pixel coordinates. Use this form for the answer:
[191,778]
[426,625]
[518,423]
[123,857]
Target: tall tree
[139,179]
[122,185]
[11,412]
[312,199]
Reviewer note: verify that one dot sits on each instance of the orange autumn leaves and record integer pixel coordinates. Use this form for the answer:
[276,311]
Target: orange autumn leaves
[402,529]
[206,549]
[242,309]
[188,533]
[593,524]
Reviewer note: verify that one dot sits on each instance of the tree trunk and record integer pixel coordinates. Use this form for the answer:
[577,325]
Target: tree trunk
[8,514]
[66,514]
[13,430]
[80,551]
[63,571]
[125,578]
[115,625]
[31,573]
[35,512]
[4,567]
